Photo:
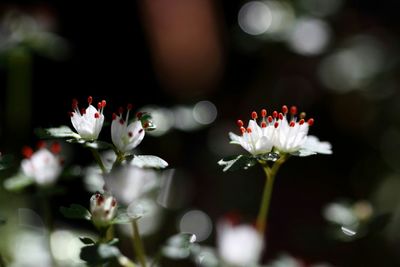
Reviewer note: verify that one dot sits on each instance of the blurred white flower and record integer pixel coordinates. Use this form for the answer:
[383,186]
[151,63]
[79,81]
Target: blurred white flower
[43,166]
[126,137]
[88,122]
[239,245]
[103,208]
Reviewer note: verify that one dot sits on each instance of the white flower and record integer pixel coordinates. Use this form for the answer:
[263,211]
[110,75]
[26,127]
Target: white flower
[103,208]
[88,122]
[43,166]
[239,245]
[280,134]
[126,137]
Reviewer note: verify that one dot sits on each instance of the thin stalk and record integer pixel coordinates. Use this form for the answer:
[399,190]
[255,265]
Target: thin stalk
[106,234]
[97,157]
[138,245]
[48,220]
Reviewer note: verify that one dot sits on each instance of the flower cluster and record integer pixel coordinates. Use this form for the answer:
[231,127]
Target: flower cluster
[283,132]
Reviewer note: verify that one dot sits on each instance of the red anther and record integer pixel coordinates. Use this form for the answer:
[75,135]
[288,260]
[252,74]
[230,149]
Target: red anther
[276,124]
[90,100]
[270,119]
[293,110]
[114,116]
[129,107]
[242,129]
[302,115]
[27,151]
[103,103]
[121,121]
[83,111]
[284,109]
[114,202]
[130,134]
[280,116]
[263,124]
[239,123]
[99,105]
[55,148]
[97,115]
[249,130]
[120,110]
[275,114]
[40,144]
[292,124]
[99,199]
[263,113]
[254,115]
[74,103]
[301,122]
[71,114]
[310,121]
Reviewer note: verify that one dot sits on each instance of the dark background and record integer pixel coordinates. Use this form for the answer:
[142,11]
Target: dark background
[112,56]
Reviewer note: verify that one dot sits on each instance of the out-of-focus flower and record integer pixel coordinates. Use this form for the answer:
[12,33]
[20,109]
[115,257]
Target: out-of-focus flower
[88,122]
[279,134]
[43,166]
[103,208]
[239,245]
[126,137]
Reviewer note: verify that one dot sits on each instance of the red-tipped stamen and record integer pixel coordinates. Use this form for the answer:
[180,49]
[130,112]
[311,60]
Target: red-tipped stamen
[275,114]
[74,104]
[99,105]
[292,124]
[280,116]
[302,115]
[129,107]
[27,151]
[243,130]
[239,123]
[276,124]
[264,113]
[263,124]
[55,148]
[40,144]
[139,115]
[270,119]
[71,114]
[114,116]
[121,121]
[83,111]
[284,109]
[310,122]
[254,115]
[293,110]
[90,100]
[97,115]
[249,130]
[120,110]
[103,103]
[301,122]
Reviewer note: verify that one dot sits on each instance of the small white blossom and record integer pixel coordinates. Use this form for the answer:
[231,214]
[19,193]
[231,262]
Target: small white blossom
[126,136]
[43,165]
[239,245]
[278,133]
[103,208]
[88,122]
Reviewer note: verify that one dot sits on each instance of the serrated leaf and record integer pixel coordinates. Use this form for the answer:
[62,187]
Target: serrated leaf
[235,163]
[75,211]
[149,161]
[57,132]
[87,240]
[179,246]
[17,182]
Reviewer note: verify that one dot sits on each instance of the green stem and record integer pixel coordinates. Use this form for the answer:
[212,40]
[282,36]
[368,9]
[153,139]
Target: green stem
[97,157]
[48,220]
[138,244]
[118,161]
[270,173]
[106,234]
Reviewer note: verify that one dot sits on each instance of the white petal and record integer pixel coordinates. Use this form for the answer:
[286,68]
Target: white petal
[312,146]
[235,139]
[137,135]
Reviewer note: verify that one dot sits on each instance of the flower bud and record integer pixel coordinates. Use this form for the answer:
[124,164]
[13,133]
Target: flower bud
[103,208]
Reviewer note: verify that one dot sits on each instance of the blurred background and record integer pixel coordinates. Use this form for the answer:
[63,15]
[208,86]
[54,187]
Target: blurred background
[198,66]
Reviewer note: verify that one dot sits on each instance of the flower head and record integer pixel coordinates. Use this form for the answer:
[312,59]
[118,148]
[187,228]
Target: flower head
[88,122]
[44,165]
[283,132]
[239,245]
[103,208]
[126,136]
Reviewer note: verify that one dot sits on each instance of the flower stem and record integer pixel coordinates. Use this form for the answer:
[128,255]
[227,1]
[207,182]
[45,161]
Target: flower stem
[48,220]
[270,173]
[97,157]
[138,244]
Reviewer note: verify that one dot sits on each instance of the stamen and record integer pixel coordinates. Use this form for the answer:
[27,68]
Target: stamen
[55,148]
[103,103]
[254,115]
[129,107]
[263,113]
[27,151]
[114,116]
[292,124]
[139,115]
[90,100]
[74,103]
[83,111]
[276,124]
[310,122]
[275,114]
[270,119]
[293,110]
[239,123]
[263,124]
[243,130]
[284,109]
[97,115]
[301,122]
[249,130]
[71,114]
[120,110]
[99,105]
[302,115]
[280,116]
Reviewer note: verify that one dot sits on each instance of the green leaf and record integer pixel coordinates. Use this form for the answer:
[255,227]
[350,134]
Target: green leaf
[87,240]
[99,254]
[235,163]
[57,132]
[76,211]
[149,161]
[179,246]
[17,182]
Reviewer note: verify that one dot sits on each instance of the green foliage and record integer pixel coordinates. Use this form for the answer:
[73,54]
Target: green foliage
[234,163]
[57,132]
[18,182]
